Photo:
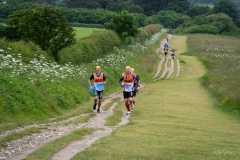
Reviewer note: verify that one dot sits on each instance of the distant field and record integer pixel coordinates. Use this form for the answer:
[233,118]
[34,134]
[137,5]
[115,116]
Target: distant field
[211,5]
[84,32]
[81,32]
[3,24]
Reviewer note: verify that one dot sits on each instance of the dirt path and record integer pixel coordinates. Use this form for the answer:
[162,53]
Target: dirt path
[166,69]
[73,148]
[20,148]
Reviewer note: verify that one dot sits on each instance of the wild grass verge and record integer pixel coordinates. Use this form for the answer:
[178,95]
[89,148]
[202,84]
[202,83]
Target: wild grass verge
[221,56]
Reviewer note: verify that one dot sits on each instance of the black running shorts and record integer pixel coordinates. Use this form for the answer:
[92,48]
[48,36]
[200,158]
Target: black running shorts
[134,93]
[165,53]
[98,94]
[127,94]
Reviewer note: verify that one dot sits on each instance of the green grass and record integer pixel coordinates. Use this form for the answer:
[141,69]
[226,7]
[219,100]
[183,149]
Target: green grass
[82,32]
[109,105]
[221,56]
[47,150]
[117,115]
[18,135]
[173,120]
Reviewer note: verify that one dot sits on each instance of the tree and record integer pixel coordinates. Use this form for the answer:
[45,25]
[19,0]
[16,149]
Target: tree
[46,27]
[170,19]
[229,8]
[124,24]
[179,6]
[196,10]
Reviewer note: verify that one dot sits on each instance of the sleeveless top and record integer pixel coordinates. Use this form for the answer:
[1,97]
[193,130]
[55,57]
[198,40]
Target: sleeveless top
[128,83]
[97,81]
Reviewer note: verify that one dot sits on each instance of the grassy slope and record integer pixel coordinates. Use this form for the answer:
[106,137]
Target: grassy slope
[173,120]
[82,32]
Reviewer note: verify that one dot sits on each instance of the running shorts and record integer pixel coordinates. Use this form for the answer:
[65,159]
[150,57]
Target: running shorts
[127,94]
[98,94]
[134,93]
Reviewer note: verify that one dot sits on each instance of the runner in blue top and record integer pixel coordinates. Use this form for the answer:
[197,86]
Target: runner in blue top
[99,80]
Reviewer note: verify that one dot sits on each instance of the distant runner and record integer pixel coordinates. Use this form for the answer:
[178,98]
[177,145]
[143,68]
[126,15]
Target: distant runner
[127,82]
[173,53]
[136,87]
[99,80]
[167,37]
[165,51]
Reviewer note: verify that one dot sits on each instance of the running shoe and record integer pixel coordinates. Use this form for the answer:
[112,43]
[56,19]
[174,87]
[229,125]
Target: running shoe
[94,106]
[132,110]
[98,110]
[128,112]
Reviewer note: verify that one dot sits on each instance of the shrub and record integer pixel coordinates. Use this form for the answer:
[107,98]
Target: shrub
[90,48]
[202,29]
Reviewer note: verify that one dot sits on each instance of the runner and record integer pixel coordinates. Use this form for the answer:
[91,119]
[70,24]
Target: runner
[99,80]
[165,50]
[173,53]
[167,37]
[127,82]
[136,86]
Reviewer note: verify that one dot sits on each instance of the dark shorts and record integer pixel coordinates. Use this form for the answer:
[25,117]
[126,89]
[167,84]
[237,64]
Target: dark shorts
[172,54]
[165,53]
[98,94]
[127,94]
[134,93]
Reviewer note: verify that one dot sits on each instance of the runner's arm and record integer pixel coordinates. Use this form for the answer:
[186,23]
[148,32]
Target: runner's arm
[89,81]
[121,81]
[104,79]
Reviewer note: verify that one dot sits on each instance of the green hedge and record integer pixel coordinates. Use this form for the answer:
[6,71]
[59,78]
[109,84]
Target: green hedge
[87,49]
[76,24]
[144,33]
[202,29]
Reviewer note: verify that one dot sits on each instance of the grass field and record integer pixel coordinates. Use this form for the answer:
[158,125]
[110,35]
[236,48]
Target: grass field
[211,5]
[173,119]
[82,32]
[221,55]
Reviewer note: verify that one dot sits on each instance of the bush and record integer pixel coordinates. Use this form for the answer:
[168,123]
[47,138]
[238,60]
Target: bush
[90,48]
[147,31]
[202,29]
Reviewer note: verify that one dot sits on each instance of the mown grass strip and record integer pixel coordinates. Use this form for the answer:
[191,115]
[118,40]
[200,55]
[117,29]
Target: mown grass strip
[117,115]
[18,135]
[109,105]
[47,151]
[81,119]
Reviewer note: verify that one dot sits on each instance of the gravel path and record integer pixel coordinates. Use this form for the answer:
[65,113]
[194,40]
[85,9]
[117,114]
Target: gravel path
[20,148]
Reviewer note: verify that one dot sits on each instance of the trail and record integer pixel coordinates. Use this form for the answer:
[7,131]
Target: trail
[174,120]
[20,148]
[166,69]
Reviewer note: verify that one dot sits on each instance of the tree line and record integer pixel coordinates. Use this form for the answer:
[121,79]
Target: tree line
[28,21]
